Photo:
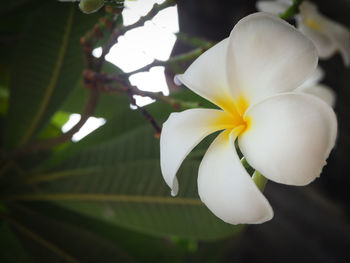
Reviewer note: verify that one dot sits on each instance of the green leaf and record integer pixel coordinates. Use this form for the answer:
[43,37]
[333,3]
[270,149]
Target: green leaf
[118,182]
[55,126]
[49,60]
[120,120]
[143,248]
[50,240]
[122,123]
[108,104]
[116,168]
[11,251]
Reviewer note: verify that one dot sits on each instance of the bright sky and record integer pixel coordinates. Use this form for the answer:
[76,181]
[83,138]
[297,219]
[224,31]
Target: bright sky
[135,49]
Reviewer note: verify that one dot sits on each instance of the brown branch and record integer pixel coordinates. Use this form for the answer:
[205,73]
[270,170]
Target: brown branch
[48,143]
[88,111]
[173,62]
[120,31]
[107,85]
[146,114]
[155,9]
[105,24]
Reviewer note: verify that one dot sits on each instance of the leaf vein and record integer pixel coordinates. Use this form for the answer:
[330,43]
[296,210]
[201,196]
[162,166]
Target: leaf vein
[53,79]
[107,198]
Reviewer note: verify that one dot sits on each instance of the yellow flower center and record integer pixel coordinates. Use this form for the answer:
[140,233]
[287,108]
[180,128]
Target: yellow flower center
[234,119]
[241,105]
[313,24]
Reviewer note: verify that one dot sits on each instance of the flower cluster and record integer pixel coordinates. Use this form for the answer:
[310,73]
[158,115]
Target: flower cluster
[284,127]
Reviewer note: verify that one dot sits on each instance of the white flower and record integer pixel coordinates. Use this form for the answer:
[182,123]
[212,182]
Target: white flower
[328,36]
[285,135]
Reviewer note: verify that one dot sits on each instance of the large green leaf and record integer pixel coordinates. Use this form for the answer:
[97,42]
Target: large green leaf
[50,240]
[134,195]
[122,122]
[48,63]
[119,180]
[140,247]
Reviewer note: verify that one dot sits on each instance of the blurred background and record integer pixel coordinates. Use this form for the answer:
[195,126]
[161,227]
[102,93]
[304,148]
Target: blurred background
[80,179]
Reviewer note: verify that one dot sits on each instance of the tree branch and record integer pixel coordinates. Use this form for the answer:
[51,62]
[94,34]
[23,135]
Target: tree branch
[173,63]
[122,85]
[146,114]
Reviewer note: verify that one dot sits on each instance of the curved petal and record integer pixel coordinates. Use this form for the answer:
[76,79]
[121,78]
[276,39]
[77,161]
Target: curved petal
[314,78]
[324,45]
[206,76]
[266,55]
[181,133]
[272,7]
[321,91]
[226,188]
[289,138]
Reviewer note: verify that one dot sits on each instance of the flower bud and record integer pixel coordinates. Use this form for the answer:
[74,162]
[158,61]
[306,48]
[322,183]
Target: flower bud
[90,6]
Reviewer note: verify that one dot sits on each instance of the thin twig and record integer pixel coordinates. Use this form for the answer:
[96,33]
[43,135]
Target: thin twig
[119,31]
[172,62]
[122,85]
[48,143]
[155,9]
[173,102]
[89,109]
[146,114]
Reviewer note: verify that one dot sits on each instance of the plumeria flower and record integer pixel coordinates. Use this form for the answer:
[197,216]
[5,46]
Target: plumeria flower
[285,135]
[312,86]
[328,36]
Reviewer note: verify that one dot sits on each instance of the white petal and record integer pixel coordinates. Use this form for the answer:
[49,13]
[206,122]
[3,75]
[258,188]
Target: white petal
[324,45]
[206,76]
[272,7]
[266,55]
[323,92]
[314,79]
[227,189]
[289,138]
[181,133]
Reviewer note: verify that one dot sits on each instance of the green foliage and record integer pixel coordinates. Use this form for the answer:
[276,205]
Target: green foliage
[109,104]
[48,68]
[136,246]
[102,198]
[109,175]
